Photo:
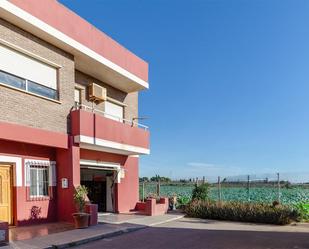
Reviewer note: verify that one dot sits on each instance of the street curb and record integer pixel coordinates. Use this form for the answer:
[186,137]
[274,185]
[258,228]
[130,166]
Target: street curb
[97,237]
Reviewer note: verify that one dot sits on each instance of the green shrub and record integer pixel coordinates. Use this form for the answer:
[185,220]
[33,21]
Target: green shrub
[79,197]
[201,192]
[246,212]
[303,209]
[182,201]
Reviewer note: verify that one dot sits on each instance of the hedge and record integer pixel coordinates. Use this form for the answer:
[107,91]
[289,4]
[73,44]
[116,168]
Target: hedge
[245,212]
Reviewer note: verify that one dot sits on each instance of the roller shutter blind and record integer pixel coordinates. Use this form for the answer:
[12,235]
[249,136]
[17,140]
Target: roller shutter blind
[22,65]
[113,111]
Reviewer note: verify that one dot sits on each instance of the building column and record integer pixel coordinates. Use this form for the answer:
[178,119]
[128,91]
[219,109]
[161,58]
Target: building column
[127,191]
[68,167]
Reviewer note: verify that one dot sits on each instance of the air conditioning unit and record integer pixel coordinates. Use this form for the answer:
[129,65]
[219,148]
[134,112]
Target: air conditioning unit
[96,92]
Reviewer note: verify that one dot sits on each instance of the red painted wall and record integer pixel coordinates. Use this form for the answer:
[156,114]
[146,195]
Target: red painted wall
[102,156]
[61,206]
[68,166]
[66,21]
[22,206]
[20,133]
[90,124]
[127,190]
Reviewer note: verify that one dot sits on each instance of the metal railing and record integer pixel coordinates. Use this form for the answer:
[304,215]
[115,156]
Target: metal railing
[119,119]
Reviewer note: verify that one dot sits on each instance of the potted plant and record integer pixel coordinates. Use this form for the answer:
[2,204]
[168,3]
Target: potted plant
[81,219]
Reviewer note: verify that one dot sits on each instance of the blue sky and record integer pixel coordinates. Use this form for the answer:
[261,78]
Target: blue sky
[229,81]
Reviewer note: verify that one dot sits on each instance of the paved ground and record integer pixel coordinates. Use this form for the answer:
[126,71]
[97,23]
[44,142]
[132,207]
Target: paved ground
[195,233]
[137,219]
[59,235]
[26,232]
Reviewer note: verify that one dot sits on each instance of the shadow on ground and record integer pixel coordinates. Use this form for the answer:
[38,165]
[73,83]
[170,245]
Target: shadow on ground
[184,238]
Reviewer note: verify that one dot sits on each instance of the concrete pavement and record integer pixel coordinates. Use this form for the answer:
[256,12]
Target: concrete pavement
[75,237]
[196,234]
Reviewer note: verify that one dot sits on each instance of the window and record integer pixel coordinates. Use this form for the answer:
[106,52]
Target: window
[12,80]
[114,111]
[26,73]
[39,177]
[42,90]
[77,96]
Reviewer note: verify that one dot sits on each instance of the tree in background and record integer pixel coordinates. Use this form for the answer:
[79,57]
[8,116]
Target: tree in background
[144,179]
[157,178]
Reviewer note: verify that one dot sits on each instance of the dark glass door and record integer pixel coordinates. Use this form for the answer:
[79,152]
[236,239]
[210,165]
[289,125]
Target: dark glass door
[97,193]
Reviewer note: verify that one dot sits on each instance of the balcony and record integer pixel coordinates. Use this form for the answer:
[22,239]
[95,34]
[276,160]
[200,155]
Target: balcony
[93,130]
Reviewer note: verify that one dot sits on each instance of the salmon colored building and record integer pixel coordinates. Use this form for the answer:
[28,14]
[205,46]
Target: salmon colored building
[69,114]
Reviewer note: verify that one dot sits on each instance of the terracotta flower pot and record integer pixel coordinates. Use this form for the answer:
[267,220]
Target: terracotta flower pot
[81,220]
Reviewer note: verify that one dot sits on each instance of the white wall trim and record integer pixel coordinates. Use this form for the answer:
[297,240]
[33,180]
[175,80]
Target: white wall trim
[18,168]
[134,150]
[112,166]
[46,28]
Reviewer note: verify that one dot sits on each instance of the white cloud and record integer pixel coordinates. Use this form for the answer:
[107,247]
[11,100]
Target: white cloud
[201,165]
[210,170]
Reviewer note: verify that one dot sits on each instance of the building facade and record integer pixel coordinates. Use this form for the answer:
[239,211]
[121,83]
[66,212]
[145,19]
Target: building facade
[69,114]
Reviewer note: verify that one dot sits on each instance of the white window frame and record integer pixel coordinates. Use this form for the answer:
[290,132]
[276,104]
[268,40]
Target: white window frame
[37,169]
[52,179]
[79,96]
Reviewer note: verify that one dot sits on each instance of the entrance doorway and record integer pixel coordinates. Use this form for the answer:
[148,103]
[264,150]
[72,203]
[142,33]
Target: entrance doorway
[97,193]
[98,183]
[6,193]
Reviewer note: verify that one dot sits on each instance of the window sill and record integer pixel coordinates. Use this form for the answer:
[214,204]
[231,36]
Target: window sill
[40,198]
[30,93]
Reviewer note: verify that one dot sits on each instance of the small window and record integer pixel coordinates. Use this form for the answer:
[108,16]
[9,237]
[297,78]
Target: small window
[113,111]
[40,179]
[77,96]
[39,183]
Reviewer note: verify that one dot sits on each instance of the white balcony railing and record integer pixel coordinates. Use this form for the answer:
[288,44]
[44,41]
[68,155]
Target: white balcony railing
[122,120]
